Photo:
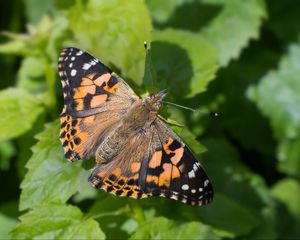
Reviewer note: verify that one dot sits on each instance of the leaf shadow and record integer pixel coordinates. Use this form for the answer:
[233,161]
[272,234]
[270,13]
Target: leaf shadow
[173,68]
[196,15]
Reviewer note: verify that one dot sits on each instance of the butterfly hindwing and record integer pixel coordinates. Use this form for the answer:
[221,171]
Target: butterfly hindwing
[94,98]
[155,163]
[121,175]
[174,172]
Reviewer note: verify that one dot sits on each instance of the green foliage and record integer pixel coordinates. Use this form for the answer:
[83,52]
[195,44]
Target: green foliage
[6,225]
[110,32]
[56,221]
[277,95]
[49,177]
[162,228]
[189,76]
[16,100]
[231,30]
[203,52]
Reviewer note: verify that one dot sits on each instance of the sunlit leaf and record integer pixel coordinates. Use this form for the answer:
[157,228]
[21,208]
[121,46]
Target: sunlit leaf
[114,31]
[50,177]
[162,228]
[19,109]
[6,225]
[231,30]
[55,221]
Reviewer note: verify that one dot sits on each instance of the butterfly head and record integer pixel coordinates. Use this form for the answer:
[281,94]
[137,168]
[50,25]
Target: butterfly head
[154,101]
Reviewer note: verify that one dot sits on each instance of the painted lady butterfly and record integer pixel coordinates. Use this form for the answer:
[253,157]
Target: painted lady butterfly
[137,155]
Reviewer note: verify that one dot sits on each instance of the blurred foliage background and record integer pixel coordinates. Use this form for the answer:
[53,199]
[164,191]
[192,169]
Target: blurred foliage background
[238,58]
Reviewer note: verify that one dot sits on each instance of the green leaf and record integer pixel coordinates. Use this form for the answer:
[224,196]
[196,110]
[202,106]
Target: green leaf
[233,181]
[162,10]
[277,96]
[289,154]
[237,23]
[287,191]
[14,47]
[31,75]
[6,225]
[50,177]
[35,9]
[185,62]
[55,221]
[163,228]
[115,32]
[19,109]
[229,216]
[113,213]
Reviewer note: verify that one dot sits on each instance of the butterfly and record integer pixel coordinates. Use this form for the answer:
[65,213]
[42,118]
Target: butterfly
[137,155]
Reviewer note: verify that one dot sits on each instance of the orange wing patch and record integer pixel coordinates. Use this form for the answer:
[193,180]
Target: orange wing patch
[165,176]
[98,100]
[165,164]
[118,182]
[72,137]
[155,161]
[81,92]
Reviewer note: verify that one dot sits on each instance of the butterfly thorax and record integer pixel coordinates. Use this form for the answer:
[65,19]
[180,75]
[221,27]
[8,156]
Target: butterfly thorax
[138,119]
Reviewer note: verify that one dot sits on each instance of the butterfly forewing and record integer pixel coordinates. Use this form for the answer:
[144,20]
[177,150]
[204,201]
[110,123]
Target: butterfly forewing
[94,98]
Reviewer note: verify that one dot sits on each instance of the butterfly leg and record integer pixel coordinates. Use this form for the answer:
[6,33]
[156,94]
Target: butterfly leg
[170,121]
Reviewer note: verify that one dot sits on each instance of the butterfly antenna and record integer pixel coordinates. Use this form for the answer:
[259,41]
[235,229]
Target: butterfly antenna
[177,105]
[215,114]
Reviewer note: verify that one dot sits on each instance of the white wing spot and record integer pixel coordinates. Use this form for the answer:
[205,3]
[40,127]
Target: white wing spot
[73,58]
[175,197]
[193,190]
[191,174]
[86,66]
[185,187]
[79,53]
[195,167]
[200,189]
[206,182]
[93,62]
[73,72]
[184,200]
[70,65]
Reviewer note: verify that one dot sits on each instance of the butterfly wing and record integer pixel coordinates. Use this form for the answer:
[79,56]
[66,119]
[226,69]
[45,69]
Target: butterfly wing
[95,99]
[155,163]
